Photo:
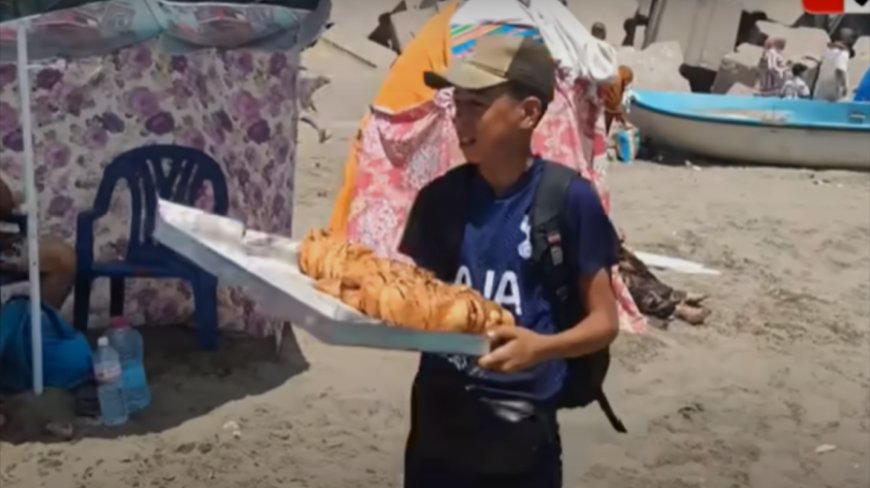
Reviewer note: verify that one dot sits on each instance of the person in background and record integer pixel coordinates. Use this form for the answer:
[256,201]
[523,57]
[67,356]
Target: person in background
[862,93]
[598,31]
[614,108]
[772,68]
[57,260]
[795,86]
[832,83]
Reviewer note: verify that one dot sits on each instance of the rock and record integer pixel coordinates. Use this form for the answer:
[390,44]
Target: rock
[404,26]
[739,89]
[612,13]
[823,448]
[857,22]
[185,448]
[862,47]
[706,30]
[800,42]
[655,68]
[420,4]
[740,66]
[639,36]
[644,9]
[359,47]
[785,12]
[385,34]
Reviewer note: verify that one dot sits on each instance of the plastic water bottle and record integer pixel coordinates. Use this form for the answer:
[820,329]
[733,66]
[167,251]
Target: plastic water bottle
[131,349]
[110,390]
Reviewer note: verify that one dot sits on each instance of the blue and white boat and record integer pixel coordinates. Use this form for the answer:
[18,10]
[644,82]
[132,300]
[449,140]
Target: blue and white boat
[757,130]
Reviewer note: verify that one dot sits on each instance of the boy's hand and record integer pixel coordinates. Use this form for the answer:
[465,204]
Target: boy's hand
[515,349]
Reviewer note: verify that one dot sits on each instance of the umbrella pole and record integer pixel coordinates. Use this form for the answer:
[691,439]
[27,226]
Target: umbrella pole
[32,207]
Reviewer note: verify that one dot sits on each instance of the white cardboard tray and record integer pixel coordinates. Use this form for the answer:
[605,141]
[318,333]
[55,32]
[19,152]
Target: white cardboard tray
[265,265]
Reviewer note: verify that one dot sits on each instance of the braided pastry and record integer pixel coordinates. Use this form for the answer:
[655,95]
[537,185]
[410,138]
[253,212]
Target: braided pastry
[397,293]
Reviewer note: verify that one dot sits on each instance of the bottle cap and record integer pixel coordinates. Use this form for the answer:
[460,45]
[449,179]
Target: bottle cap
[103,341]
[118,322]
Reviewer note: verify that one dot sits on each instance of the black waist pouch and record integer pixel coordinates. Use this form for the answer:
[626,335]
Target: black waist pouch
[466,431]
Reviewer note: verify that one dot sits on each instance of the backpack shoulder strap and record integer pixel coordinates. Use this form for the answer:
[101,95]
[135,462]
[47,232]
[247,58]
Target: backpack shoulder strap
[550,194]
[547,234]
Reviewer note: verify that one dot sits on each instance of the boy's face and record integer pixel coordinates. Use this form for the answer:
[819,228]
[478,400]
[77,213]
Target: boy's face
[490,122]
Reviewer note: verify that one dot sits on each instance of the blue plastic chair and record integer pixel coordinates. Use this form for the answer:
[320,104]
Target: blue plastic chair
[9,277]
[172,173]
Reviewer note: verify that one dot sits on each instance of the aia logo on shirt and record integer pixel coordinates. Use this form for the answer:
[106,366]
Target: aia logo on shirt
[837,6]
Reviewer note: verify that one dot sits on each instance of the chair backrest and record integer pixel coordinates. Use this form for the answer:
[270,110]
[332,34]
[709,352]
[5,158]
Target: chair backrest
[173,173]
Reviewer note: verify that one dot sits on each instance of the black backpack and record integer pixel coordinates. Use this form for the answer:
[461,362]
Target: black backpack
[438,219]
[585,380]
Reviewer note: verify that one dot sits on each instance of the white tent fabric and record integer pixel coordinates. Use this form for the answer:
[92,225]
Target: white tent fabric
[567,38]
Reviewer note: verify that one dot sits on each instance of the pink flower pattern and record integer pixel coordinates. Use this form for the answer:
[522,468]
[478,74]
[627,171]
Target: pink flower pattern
[143,96]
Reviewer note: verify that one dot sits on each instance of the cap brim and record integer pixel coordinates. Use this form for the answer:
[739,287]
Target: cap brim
[462,75]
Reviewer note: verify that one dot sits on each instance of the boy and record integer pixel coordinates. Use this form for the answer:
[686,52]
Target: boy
[795,86]
[491,421]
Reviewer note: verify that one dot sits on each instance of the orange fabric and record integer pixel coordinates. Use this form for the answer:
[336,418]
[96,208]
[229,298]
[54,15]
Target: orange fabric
[614,91]
[341,207]
[403,88]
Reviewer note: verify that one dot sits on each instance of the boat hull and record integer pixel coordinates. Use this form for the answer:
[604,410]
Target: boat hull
[755,135]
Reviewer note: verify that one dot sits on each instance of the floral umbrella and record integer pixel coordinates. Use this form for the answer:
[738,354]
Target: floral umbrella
[72,28]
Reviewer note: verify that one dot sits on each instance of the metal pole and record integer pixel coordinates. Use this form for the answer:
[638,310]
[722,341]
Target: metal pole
[32,206]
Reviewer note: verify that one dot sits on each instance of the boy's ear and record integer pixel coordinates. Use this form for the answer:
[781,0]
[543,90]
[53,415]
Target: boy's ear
[533,110]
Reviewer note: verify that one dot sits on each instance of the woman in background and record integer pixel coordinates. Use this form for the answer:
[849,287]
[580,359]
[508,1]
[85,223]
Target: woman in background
[613,98]
[772,68]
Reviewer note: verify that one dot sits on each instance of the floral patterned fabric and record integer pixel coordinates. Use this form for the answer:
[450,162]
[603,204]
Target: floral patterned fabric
[239,106]
[398,153]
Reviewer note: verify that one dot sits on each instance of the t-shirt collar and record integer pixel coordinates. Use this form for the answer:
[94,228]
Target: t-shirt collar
[518,185]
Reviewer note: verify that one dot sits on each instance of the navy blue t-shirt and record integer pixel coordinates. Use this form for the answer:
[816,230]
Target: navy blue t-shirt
[495,260]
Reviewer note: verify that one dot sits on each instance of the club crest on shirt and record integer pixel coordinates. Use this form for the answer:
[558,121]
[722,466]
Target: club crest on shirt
[525,247]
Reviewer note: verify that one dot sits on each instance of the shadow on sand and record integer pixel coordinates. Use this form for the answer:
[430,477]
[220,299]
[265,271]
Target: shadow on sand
[186,383]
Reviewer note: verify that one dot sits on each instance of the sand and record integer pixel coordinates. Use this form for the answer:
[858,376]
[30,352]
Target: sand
[780,368]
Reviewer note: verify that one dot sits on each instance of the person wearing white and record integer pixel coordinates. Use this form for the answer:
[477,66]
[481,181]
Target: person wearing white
[832,83]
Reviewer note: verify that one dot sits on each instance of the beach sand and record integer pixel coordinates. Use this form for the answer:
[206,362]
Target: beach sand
[745,400]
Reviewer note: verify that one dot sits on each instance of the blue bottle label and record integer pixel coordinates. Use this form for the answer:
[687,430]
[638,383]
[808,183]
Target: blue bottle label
[135,381]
